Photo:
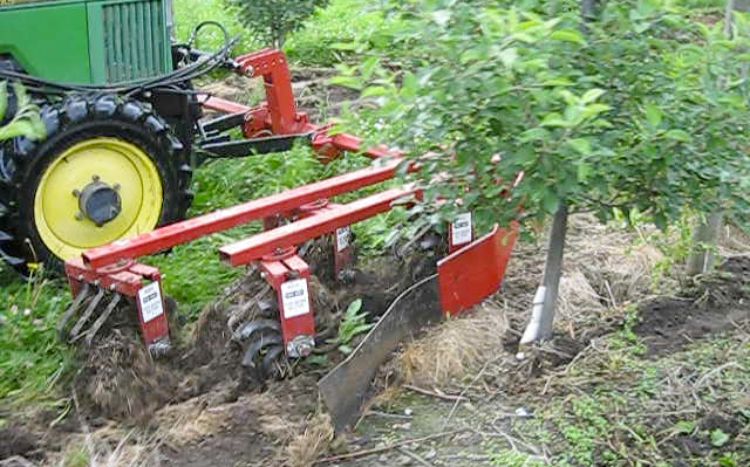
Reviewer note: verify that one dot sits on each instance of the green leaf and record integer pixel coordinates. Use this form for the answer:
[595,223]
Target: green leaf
[568,35]
[592,110]
[654,115]
[550,202]
[719,438]
[685,427]
[678,135]
[584,171]
[375,91]
[592,95]
[410,86]
[350,82]
[581,145]
[354,307]
[554,120]
[534,134]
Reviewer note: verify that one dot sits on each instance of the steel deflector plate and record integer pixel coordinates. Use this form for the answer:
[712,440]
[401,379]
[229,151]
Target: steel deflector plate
[346,388]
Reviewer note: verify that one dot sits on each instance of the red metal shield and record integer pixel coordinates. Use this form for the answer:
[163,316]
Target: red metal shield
[473,273]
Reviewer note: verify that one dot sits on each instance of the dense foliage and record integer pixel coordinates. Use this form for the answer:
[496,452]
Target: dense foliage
[271,21]
[639,112]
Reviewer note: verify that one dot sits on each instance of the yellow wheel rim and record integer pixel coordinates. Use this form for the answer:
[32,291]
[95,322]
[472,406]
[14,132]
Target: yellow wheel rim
[117,163]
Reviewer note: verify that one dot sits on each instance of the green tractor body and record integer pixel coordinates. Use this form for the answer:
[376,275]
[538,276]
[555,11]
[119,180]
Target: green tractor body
[119,123]
[88,41]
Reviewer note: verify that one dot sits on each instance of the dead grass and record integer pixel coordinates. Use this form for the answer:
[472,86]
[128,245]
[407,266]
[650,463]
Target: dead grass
[305,448]
[454,348]
[189,422]
[102,449]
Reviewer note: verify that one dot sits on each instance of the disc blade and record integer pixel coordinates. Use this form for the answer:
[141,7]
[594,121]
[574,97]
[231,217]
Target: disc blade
[346,388]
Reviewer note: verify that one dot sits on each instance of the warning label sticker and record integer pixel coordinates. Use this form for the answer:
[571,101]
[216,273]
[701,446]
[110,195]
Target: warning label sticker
[295,298]
[462,230]
[149,298]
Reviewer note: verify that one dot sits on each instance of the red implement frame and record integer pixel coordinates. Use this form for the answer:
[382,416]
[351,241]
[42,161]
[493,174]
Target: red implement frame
[464,280]
[225,219]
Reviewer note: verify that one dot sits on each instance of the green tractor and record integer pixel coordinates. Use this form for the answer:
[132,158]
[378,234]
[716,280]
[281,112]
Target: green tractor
[121,117]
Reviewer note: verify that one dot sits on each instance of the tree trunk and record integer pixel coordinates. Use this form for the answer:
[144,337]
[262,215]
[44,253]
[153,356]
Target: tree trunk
[545,301]
[706,235]
[703,255]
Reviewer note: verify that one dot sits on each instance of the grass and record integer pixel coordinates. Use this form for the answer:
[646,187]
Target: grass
[343,31]
[31,359]
[190,13]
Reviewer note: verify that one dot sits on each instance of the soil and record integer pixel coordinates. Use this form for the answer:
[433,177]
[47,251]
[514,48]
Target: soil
[667,324]
[18,442]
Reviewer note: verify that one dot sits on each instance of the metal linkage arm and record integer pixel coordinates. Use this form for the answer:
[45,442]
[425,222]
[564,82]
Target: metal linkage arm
[189,230]
[317,225]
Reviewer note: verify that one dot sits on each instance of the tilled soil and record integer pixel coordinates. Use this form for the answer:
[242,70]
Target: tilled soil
[119,382]
[718,304]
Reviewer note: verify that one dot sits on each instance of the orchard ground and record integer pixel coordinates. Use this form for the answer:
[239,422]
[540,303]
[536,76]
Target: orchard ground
[645,368]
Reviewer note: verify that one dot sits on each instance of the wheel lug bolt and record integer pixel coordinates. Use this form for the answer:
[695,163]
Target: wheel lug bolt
[95,178]
[76,193]
[116,187]
[79,216]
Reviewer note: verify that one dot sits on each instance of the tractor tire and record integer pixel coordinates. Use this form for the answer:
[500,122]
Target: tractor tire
[116,152]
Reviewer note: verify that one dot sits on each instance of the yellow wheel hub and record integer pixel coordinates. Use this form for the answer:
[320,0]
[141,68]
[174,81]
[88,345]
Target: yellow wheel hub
[121,167]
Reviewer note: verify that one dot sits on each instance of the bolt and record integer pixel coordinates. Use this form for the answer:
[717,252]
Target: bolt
[76,193]
[79,216]
[116,187]
[95,178]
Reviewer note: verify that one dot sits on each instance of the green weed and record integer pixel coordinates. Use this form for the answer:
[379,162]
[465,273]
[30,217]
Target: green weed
[353,324]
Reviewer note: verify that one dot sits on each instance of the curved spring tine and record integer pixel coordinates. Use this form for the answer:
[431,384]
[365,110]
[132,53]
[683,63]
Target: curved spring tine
[248,329]
[272,366]
[248,360]
[102,319]
[86,315]
[82,295]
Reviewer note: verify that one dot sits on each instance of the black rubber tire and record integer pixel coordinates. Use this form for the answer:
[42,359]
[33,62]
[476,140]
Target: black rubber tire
[77,119]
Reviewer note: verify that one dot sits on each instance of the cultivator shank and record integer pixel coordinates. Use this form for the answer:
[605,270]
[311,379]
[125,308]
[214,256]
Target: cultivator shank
[105,277]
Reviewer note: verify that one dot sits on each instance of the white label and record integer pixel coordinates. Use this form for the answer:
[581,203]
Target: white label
[295,298]
[342,238]
[461,230]
[152,305]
